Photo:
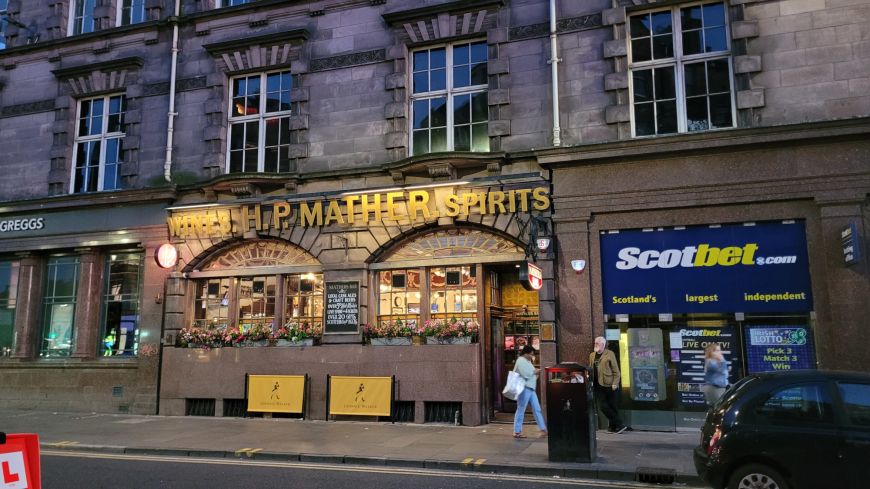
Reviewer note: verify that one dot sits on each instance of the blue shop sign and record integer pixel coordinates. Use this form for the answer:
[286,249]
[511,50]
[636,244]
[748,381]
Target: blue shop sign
[730,268]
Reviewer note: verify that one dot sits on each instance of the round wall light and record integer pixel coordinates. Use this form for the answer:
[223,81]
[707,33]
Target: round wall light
[167,256]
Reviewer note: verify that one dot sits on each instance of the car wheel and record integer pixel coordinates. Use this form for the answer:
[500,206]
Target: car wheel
[756,476]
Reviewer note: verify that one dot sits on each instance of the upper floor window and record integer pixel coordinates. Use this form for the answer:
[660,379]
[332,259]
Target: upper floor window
[230,3]
[449,106]
[259,120]
[681,70]
[3,22]
[81,19]
[99,144]
[131,12]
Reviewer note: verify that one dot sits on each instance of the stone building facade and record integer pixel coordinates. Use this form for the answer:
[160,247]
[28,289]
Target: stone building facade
[672,115]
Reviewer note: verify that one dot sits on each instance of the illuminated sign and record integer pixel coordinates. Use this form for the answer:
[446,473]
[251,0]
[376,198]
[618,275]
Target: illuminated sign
[360,396]
[356,209]
[532,277]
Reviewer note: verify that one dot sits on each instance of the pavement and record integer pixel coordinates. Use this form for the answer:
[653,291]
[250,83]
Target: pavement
[631,456]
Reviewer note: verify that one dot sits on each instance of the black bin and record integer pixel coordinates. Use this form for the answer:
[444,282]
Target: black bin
[571,417]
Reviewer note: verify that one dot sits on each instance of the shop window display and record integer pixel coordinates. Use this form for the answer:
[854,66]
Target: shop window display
[399,296]
[453,292]
[304,299]
[8,299]
[121,304]
[59,303]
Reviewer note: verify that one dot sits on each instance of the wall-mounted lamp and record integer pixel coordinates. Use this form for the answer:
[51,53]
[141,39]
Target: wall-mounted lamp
[167,256]
[543,243]
[578,266]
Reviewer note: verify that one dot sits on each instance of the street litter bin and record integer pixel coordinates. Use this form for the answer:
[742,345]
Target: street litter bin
[571,417]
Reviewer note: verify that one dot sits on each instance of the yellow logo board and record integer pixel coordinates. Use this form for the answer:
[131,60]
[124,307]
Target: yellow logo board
[276,393]
[360,396]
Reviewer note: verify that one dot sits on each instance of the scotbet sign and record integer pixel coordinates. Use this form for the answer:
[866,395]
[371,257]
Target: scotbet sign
[731,268]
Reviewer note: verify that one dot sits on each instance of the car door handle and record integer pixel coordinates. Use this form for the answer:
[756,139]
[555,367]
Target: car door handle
[858,443]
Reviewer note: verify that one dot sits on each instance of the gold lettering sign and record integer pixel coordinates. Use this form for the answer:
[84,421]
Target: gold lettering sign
[401,206]
[276,393]
[360,396]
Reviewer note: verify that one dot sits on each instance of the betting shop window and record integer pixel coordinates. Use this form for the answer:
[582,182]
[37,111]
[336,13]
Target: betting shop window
[99,144]
[681,70]
[121,304]
[453,292]
[449,106]
[259,120]
[81,19]
[304,299]
[212,303]
[399,296]
[131,12]
[59,306]
[8,299]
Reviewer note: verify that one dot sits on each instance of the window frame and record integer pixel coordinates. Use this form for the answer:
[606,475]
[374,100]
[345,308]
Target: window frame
[829,418]
[125,297]
[103,137]
[4,5]
[228,3]
[50,300]
[261,117]
[10,302]
[71,27]
[449,93]
[119,14]
[679,61]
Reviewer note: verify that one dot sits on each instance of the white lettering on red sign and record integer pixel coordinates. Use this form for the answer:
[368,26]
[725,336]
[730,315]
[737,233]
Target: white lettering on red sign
[536,277]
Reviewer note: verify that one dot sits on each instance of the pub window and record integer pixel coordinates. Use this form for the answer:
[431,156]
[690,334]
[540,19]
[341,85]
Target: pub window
[121,304]
[61,285]
[99,144]
[399,296]
[304,299]
[259,123]
[212,303]
[257,301]
[680,70]
[8,296]
[453,292]
[449,107]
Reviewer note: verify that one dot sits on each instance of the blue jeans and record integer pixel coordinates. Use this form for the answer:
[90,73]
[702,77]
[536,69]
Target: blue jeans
[527,397]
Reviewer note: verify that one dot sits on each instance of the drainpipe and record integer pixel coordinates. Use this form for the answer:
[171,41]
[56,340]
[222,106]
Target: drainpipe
[554,66]
[170,126]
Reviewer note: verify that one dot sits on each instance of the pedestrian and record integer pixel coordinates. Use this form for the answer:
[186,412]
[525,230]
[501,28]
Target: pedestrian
[715,373]
[605,380]
[526,369]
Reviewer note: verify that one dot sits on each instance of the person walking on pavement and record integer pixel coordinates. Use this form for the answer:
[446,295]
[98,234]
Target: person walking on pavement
[526,369]
[605,379]
[715,373]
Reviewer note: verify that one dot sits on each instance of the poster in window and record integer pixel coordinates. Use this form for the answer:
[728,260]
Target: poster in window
[690,369]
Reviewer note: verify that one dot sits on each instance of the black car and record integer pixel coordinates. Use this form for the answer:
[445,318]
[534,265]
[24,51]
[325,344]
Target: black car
[797,430]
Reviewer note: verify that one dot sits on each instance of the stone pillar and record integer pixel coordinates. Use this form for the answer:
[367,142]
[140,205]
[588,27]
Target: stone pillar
[840,290]
[31,273]
[176,286]
[88,302]
[575,317]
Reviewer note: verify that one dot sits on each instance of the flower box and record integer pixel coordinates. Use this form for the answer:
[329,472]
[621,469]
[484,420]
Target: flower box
[302,342]
[396,341]
[448,340]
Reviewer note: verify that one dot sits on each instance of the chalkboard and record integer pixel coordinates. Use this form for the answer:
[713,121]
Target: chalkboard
[342,307]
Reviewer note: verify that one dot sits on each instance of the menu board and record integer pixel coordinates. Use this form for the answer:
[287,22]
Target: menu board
[770,348]
[690,369]
[342,307]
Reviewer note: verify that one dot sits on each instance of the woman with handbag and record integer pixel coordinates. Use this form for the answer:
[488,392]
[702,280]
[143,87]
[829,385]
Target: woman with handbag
[526,369]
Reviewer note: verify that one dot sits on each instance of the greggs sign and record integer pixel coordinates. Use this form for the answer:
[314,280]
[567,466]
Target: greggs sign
[355,209]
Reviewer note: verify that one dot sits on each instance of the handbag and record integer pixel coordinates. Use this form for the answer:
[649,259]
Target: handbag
[514,386]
